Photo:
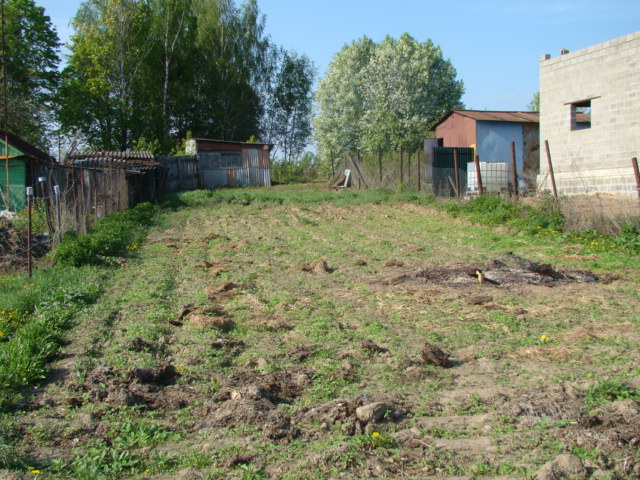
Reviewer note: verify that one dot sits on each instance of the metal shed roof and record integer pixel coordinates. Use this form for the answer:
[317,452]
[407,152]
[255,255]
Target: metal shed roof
[494,116]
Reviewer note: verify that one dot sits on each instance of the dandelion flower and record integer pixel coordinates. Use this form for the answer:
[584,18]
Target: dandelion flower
[375,434]
[543,337]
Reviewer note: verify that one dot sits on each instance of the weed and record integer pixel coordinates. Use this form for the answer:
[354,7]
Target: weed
[609,391]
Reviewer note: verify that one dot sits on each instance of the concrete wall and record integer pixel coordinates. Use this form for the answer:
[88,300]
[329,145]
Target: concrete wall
[596,159]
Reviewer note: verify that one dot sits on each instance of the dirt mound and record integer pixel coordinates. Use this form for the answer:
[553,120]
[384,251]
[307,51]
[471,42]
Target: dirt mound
[238,412]
[533,405]
[317,266]
[270,322]
[506,270]
[277,387]
[247,397]
[355,413]
[226,290]
[150,387]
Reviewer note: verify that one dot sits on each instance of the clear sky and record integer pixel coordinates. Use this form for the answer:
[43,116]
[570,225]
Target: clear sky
[495,45]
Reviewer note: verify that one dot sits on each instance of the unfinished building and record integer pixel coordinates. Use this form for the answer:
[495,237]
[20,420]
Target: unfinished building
[590,115]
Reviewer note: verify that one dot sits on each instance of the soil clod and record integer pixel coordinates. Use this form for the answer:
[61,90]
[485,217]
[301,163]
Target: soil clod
[433,355]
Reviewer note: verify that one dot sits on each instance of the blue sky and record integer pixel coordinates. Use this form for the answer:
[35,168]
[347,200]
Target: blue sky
[495,45]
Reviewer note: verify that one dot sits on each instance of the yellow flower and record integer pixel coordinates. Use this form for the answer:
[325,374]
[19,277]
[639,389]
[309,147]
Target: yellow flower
[543,337]
[375,434]
[35,472]
[1,334]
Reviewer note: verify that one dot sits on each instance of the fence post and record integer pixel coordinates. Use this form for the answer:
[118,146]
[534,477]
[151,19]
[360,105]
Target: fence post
[380,163]
[56,193]
[553,178]
[634,163]
[478,175]
[401,167]
[29,229]
[409,169]
[418,168]
[457,172]
[514,168]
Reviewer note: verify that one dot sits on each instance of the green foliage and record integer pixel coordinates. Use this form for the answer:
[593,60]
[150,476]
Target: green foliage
[32,48]
[534,104]
[609,391]
[495,210]
[305,169]
[36,314]
[110,236]
[287,119]
[386,94]
[38,218]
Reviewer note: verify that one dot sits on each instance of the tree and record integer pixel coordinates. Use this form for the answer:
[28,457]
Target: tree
[387,94]
[534,104]
[99,91]
[31,68]
[287,118]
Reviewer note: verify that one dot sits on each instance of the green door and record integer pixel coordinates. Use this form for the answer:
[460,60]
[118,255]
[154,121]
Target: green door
[17,175]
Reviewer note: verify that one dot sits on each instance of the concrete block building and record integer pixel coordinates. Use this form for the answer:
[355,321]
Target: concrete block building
[590,115]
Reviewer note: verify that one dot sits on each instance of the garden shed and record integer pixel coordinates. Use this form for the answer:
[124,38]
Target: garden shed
[223,163]
[21,162]
[490,133]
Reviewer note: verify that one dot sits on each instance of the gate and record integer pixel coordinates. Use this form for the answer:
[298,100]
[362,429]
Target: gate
[444,176]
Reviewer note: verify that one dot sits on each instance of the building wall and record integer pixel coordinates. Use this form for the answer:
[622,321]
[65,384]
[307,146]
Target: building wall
[457,131]
[494,142]
[596,159]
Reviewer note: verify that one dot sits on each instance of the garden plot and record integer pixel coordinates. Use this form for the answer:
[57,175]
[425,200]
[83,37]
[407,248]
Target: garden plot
[344,341]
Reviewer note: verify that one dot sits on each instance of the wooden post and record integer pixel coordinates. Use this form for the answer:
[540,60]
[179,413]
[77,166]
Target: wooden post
[514,169]
[634,163]
[478,175]
[380,164]
[401,167]
[29,229]
[418,168]
[553,178]
[409,169]
[457,172]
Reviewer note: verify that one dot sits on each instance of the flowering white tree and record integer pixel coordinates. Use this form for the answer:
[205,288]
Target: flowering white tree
[385,94]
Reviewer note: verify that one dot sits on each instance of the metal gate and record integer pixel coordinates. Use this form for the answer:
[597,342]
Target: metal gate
[444,176]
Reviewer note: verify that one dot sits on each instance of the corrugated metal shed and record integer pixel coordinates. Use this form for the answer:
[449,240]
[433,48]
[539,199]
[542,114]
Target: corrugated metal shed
[224,163]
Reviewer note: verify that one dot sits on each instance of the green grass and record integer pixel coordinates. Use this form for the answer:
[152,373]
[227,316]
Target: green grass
[264,237]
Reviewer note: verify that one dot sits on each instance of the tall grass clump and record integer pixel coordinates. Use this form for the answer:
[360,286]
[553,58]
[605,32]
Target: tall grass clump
[110,236]
[35,314]
[494,210]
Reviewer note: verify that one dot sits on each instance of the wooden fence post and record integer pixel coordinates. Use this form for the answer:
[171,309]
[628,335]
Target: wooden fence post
[634,164]
[401,167]
[553,178]
[476,160]
[380,163]
[418,168]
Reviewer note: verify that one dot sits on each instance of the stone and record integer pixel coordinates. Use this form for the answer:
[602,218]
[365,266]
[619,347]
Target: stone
[371,413]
